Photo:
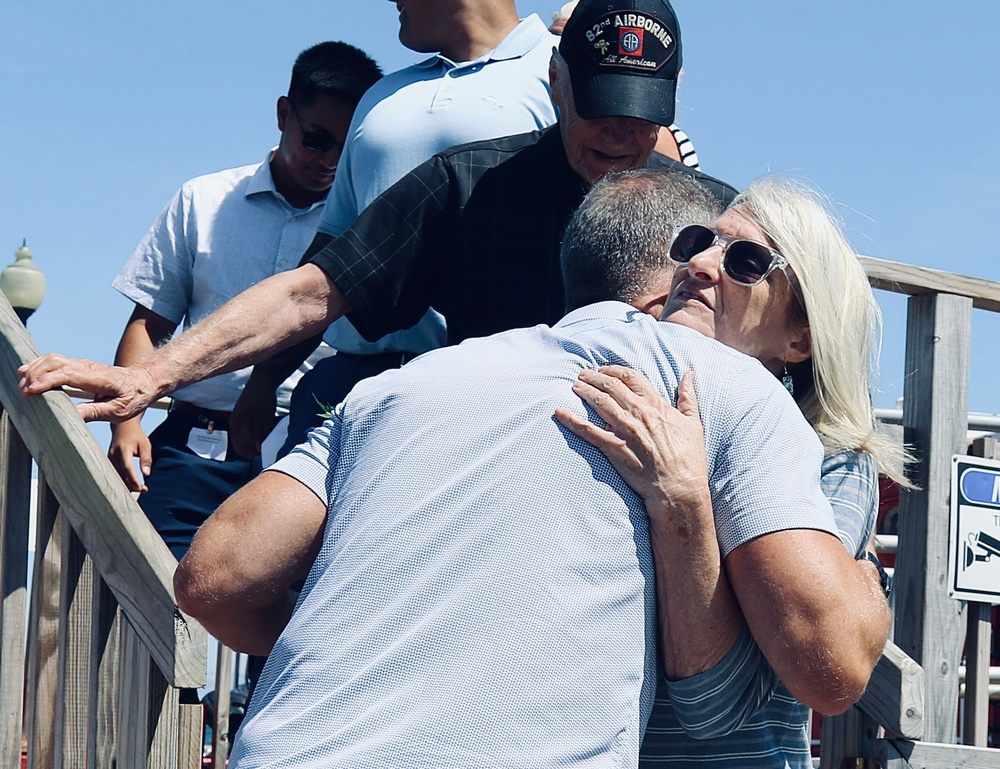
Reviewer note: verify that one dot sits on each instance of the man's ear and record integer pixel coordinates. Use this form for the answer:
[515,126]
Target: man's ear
[799,345]
[651,304]
[283,108]
[554,81]
[658,284]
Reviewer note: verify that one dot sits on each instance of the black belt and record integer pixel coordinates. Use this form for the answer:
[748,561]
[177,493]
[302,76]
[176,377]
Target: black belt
[203,415]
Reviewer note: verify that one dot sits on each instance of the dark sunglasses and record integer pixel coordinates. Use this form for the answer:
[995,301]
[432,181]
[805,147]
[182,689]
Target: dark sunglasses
[743,261]
[315,141]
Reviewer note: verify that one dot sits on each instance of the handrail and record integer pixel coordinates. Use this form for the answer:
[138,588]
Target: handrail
[129,555]
[987,422]
[901,278]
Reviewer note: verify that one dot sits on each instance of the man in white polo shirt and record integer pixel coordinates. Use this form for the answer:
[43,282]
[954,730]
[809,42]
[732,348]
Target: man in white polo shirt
[220,234]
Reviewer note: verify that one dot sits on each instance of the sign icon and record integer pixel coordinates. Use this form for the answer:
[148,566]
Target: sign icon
[984,542]
[974,534]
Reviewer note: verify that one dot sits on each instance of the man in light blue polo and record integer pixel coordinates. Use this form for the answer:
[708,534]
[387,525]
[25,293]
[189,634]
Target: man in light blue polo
[488,78]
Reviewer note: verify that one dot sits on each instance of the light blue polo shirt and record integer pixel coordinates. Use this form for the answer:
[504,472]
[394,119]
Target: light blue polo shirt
[414,113]
[484,595]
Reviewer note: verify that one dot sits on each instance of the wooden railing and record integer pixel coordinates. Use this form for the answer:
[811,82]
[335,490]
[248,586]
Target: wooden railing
[96,682]
[908,716]
[93,680]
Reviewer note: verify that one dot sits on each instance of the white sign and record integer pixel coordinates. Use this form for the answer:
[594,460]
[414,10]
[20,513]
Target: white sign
[974,534]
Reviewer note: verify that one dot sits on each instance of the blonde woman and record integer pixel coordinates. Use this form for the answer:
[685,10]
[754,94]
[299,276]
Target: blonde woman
[774,278]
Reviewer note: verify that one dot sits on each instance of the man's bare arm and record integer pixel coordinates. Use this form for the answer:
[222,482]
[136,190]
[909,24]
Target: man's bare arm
[253,414]
[280,311]
[815,612]
[235,578]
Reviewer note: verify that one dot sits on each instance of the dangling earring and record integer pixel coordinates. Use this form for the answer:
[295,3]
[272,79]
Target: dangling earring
[787,382]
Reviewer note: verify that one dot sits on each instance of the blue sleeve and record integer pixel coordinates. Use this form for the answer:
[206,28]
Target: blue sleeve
[721,699]
[850,482]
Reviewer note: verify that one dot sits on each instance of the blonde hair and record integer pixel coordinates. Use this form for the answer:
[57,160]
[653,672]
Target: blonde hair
[844,319]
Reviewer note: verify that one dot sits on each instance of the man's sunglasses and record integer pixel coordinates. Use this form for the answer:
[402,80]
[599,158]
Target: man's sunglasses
[743,261]
[315,141]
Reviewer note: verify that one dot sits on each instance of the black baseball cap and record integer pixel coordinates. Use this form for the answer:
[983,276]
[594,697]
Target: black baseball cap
[624,57]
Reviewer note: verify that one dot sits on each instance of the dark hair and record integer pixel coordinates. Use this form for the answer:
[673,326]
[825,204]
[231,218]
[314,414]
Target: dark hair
[619,236]
[334,68]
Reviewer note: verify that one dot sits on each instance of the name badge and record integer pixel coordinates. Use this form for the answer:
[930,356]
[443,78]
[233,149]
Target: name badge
[209,445]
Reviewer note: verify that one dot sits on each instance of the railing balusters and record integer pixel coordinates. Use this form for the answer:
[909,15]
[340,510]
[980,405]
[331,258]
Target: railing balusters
[76,599]
[220,721]
[162,721]
[100,691]
[104,663]
[15,464]
[43,621]
[190,725]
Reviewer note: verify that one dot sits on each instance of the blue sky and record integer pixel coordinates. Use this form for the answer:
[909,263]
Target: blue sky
[887,106]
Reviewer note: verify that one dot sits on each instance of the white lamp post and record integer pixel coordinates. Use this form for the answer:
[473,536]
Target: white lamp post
[23,283]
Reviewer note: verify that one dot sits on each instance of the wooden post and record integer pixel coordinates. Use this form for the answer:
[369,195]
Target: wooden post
[929,624]
[895,694]
[15,478]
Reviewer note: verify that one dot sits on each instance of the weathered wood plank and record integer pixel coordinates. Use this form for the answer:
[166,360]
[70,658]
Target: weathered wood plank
[895,694]
[14,513]
[43,632]
[975,725]
[129,554]
[190,736]
[847,736]
[103,685]
[162,704]
[220,723]
[132,737]
[929,624]
[901,754]
[148,708]
[909,279]
[75,604]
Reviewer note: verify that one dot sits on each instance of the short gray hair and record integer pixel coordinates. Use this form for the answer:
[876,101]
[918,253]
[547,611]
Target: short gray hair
[619,236]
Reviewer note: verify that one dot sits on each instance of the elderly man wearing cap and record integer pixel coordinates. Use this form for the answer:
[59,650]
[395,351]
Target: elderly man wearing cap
[474,232]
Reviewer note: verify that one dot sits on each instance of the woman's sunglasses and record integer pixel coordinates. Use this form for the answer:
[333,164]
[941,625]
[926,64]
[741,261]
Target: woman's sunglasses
[315,141]
[743,261]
